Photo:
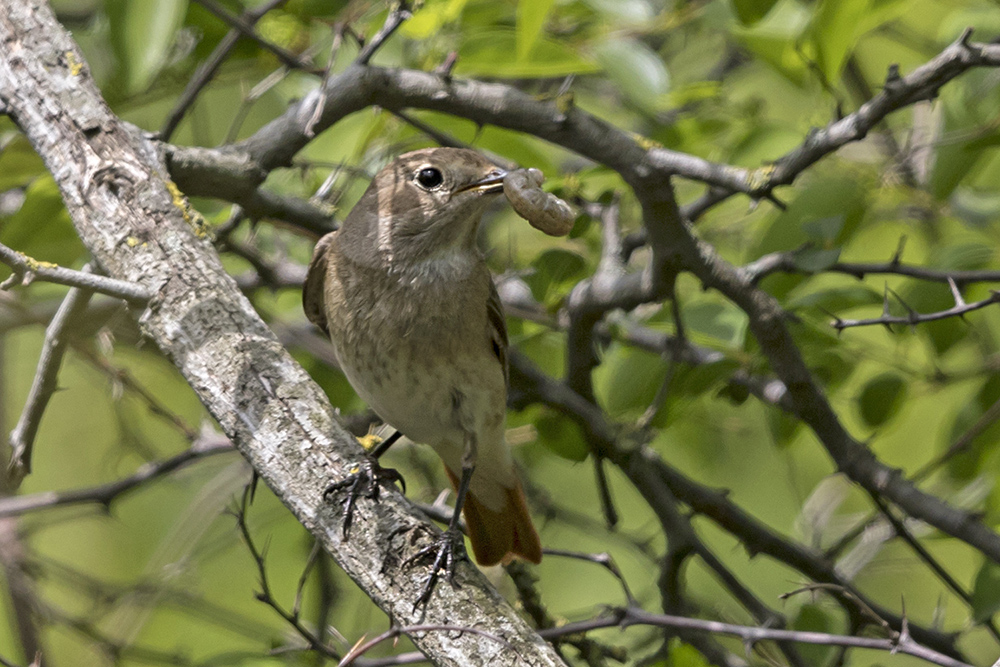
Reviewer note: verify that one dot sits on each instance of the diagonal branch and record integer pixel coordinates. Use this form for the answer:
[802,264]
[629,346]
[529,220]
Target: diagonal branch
[244,25]
[207,70]
[276,416]
[648,470]
[767,322]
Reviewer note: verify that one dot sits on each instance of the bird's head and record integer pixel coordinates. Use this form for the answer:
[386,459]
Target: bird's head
[426,203]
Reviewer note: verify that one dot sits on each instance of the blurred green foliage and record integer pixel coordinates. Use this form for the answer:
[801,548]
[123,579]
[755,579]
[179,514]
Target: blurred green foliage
[163,573]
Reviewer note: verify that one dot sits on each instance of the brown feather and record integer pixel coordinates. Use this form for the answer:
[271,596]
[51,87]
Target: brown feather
[499,536]
[498,330]
[312,292]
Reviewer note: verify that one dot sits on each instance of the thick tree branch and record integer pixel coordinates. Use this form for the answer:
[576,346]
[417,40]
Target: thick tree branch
[767,322]
[646,469]
[117,191]
[498,104]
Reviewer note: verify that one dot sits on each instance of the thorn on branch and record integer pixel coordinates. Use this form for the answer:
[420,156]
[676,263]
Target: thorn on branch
[773,198]
[955,293]
[445,68]
[898,255]
[893,81]
[963,39]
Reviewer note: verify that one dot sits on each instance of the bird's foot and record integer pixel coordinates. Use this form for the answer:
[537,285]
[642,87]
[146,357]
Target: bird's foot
[364,481]
[447,549]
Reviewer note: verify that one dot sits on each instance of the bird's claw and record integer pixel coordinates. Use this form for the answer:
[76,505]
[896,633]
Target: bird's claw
[364,481]
[447,549]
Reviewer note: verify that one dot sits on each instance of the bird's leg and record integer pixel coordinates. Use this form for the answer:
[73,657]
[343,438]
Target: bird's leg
[366,480]
[449,547]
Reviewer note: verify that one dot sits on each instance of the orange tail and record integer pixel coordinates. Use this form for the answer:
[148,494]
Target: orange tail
[498,536]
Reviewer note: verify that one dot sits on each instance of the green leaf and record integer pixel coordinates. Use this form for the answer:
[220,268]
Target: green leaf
[531,15]
[783,427]
[986,592]
[638,71]
[812,618]
[683,655]
[954,160]
[836,29]
[751,11]
[829,209]
[488,53]
[544,348]
[978,208]
[881,12]
[824,230]
[775,39]
[142,35]
[715,323]
[41,228]
[628,379]
[431,17]
[19,163]
[705,377]
[562,436]
[836,299]
[555,268]
[881,398]
[815,260]
[963,256]
[623,11]
[967,464]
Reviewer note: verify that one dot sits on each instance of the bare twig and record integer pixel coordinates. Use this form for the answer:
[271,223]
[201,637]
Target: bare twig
[206,71]
[914,318]
[266,595]
[629,616]
[338,39]
[903,532]
[244,25]
[21,590]
[785,262]
[22,438]
[128,382]
[27,269]
[604,560]
[641,463]
[106,494]
[396,17]
[395,632]
[923,83]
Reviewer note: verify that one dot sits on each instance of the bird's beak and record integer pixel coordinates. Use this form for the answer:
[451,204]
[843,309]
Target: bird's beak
[491,185]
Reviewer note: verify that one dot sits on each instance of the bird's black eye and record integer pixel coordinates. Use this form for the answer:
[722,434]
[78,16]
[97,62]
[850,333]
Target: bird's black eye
[429,178]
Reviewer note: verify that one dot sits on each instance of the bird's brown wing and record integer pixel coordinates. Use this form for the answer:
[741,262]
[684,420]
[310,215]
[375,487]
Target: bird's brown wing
[498,330]
[312,291]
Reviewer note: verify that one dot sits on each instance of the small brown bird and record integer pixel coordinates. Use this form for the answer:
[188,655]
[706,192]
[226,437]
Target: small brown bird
[418,329]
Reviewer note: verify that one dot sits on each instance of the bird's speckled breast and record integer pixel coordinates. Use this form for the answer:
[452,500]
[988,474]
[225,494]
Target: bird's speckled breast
[404,347]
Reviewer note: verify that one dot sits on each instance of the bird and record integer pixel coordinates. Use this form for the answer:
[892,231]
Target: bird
[410,307]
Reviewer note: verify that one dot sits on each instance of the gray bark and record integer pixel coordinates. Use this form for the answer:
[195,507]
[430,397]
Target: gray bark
[138,228]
